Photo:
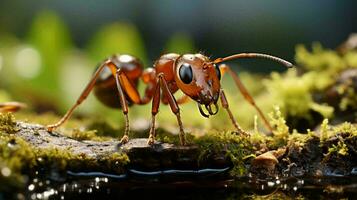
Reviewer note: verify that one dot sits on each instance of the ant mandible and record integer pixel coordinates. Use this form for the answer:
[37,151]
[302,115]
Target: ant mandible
[195,75]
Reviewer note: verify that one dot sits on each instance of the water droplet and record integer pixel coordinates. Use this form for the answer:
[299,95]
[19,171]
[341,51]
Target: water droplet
[31,187]
[270,184]
[5,171]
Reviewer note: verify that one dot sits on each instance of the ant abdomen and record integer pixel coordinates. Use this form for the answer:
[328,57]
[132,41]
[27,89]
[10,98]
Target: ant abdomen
[105,88]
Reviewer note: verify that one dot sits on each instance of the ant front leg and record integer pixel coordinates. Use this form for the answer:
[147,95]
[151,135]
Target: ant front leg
[162,86]
[245,93]
[225,105]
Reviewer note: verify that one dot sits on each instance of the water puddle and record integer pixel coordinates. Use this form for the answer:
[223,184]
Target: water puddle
[186,184]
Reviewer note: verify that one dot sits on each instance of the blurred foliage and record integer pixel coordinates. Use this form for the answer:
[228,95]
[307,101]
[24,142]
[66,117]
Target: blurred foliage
[324,60]
[122,38]
[64,71]
[51,38]
[293,94]
[180,43]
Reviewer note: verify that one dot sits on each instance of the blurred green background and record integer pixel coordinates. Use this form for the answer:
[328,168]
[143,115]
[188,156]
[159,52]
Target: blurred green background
[49,49]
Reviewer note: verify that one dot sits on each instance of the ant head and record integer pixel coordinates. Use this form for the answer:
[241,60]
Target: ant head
[199,79]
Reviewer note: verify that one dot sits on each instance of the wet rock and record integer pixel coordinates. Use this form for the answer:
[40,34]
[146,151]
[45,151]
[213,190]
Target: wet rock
[110,157]
[161,156]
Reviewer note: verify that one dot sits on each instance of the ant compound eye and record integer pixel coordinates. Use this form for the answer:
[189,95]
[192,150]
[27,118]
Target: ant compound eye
[218,72]
[185,73]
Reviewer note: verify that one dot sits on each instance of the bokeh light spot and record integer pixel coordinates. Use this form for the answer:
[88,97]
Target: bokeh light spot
[28,62]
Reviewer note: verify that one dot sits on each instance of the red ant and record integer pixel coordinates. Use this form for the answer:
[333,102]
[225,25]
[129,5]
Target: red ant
[194,74]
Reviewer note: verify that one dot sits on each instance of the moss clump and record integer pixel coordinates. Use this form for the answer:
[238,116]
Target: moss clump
[19,159]
[340,148]
[16,157]
[324,131]
[237,148]
[320,59]
[53,158]
[281,132]
[293,94]
[64,159]
[7,123]
[115,162]
[103,128]
[164,136]
[79,135]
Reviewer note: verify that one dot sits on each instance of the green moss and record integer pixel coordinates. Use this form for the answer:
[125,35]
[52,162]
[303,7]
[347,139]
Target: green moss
[340,148]
[346,128]
[281,130]
[7,123]
[53,158]
[320,59]
[325,130]
[19,159]
[62,159]
[300,139]
[103,128]
[293,93]
[237,148]
[349,97]
[86,135]
[16,156]
[164,136]
[115,161]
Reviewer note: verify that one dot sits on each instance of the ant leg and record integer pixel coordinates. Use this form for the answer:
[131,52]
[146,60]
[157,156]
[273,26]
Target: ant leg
[183,99]
[124,105]
[154,111]
[246,94]
[124,84]
[81,98]
[11,106]
[226,106]
[173,105]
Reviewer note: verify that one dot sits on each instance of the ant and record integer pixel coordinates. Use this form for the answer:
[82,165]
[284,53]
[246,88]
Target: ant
[195,75]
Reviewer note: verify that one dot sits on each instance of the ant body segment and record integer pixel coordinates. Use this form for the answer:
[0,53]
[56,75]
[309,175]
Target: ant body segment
[195,75]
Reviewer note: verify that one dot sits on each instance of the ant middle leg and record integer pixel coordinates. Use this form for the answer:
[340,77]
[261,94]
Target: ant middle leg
[225,105]
[246,94]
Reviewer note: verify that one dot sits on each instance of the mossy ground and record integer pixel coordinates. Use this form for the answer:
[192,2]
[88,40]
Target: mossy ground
[292,94]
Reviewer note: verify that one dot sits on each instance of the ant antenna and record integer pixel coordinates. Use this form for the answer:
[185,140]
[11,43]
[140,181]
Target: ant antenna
[254,55]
